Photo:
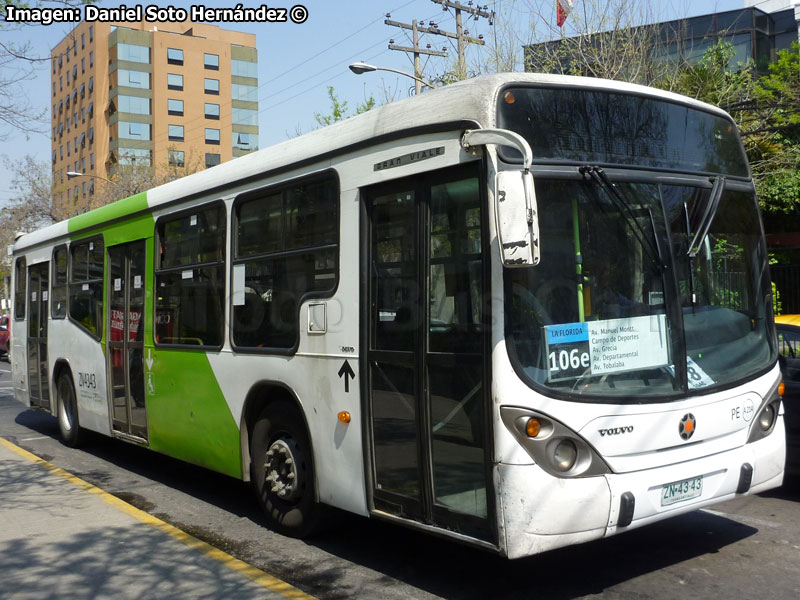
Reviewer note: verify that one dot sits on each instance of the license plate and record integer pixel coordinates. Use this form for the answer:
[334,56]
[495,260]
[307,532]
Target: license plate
[681,490]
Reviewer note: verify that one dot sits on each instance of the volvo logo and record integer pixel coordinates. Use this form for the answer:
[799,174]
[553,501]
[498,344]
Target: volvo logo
[687,426]
[615,430]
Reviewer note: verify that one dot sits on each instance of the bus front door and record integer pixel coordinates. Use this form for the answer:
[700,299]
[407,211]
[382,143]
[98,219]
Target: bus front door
[427,346]
[38,290]
[125,347]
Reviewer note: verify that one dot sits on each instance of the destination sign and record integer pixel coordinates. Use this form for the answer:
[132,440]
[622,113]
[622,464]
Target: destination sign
[609,346]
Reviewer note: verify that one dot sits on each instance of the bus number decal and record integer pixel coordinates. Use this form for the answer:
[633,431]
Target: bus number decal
[87,380]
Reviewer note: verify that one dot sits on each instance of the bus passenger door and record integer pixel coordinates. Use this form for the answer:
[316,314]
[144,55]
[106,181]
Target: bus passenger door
[125,346]
[427,347]
[38,296]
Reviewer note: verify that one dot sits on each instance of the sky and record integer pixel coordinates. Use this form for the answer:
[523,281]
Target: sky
[298,61]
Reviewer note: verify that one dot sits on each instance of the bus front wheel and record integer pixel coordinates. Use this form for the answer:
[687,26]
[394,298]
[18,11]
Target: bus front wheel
[283,475]
[68,422]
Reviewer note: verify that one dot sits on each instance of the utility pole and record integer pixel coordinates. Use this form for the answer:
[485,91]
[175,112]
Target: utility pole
[415,50]
[461,35]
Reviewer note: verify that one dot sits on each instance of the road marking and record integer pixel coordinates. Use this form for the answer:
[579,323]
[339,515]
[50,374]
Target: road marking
[252,573]
[41,437]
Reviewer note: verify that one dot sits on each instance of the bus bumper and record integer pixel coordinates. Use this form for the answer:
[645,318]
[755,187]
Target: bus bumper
[540,512]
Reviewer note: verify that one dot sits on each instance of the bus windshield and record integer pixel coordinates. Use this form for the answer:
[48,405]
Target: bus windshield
[620,309]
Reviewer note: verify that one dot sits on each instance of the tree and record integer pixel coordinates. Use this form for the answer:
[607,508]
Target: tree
[18,62]
[767,110]
[339,108]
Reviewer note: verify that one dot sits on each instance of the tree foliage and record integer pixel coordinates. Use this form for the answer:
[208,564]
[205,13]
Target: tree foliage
[766,108]
[18,64]
[338,110]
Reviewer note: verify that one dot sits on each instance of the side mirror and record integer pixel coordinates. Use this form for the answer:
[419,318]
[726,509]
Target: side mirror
[517,219]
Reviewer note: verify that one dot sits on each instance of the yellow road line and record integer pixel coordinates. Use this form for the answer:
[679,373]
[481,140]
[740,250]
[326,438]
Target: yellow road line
[256,575]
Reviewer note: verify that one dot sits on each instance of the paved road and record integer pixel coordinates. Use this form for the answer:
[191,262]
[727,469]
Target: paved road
[747,548]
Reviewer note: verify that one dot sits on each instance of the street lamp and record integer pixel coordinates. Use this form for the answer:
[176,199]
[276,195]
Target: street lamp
[73,174]
[362,67]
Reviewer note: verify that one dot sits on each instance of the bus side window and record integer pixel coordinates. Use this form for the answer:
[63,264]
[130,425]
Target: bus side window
[287,244]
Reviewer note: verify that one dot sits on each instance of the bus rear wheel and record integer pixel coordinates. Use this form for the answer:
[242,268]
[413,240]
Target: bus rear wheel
[282,471]
[68,422]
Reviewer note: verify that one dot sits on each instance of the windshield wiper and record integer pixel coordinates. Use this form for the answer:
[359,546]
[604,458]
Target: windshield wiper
[652,250]
[708,217]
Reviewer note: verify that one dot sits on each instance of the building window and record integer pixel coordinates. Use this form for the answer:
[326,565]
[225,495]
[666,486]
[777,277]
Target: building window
[211,61]
[91,134]
[134,156]
[83,41]
[176,133]
[134,79]
[174,81]
[133,53]
[245,116]
[91,33]
[58,302]
[86,284]
[212,159]
[61,83]
[91,84]
[83,115]
[83,90]
[212,136]
[211,86]
[134,131]
[174,56]
[54,66]
[286,248]
[54,88]
[245,141]
[190,278]
[91,161]
[91,58]
[75,72]
[243,68]
[212,111]
[133,104]
[249,93]
[67,78]
[67,148]
[175,107]
[83,65]
[176,158]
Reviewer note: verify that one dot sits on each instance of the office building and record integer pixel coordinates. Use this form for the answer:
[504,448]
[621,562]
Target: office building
[757,32]
[160,95]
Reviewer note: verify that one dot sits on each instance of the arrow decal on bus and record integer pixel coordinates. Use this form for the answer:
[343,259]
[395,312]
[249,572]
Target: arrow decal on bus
[347,372]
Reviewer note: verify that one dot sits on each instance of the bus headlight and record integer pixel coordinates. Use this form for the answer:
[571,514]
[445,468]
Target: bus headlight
[767,417]
[764,423]
[553,446]
[564,455]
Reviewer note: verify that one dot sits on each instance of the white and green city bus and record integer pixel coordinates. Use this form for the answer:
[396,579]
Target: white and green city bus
[521,311]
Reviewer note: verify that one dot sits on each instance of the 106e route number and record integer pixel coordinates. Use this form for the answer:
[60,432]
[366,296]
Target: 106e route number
[563,360]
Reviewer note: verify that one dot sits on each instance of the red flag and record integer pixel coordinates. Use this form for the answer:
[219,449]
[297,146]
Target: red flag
[563,8]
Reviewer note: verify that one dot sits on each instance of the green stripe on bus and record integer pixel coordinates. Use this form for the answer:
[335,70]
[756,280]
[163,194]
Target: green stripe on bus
[109,212]
[187,415]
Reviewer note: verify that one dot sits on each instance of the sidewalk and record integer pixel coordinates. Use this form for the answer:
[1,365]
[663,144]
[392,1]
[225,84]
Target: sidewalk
[61,537]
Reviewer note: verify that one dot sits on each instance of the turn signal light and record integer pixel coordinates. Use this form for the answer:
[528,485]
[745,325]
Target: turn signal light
[533,427]
[781,389]
[509,98]
[344,416]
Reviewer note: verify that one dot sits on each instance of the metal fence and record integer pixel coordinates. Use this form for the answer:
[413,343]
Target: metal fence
[787,281]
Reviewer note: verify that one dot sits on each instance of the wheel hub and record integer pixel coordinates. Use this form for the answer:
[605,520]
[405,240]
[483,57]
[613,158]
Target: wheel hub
[281,474]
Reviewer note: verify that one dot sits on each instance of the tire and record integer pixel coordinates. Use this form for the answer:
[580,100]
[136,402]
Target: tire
[283,472]
[68,422]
